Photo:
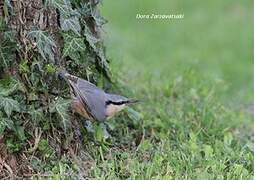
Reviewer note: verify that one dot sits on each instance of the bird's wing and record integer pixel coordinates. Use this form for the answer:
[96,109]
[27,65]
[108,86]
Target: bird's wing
[93,98]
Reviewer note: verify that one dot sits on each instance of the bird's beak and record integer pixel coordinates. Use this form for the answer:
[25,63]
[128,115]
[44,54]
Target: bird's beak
[132,101]
[62,73]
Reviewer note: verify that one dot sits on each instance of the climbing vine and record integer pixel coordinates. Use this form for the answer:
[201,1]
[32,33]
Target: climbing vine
[36,39]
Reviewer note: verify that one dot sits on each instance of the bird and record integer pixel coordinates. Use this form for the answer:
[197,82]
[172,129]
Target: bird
[92,102]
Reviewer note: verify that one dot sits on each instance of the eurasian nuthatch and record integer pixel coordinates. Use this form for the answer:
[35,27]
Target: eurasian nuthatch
[91,102]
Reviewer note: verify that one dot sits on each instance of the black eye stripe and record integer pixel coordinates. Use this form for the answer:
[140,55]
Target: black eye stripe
[116,103]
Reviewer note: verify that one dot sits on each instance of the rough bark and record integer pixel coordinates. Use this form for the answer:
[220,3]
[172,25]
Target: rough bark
[34,68]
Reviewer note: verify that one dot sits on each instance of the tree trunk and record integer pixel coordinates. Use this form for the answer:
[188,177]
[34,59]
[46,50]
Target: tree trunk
[37,38]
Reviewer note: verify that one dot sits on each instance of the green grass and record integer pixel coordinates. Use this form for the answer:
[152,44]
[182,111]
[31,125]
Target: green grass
[194,78]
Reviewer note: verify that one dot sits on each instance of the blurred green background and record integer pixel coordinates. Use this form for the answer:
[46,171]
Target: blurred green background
[215,37]
[195,78]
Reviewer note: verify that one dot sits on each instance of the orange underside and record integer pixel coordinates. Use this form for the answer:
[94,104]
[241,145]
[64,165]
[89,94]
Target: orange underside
[77,107]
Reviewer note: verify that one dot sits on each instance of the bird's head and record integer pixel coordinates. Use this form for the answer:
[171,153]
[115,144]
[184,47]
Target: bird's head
[116,103]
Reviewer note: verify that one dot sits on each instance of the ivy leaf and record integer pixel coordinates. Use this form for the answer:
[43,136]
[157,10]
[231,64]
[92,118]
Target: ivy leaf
[97,46]
[71,23]
[60,106]
[36,114]
[99,20]
[9,105]
[7,49]
[20,132]
[103,60]
[69,18]
[73,45]
[5,123]
[85,9]
[64,6]
[91,39]
[9,85]
[44,43]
